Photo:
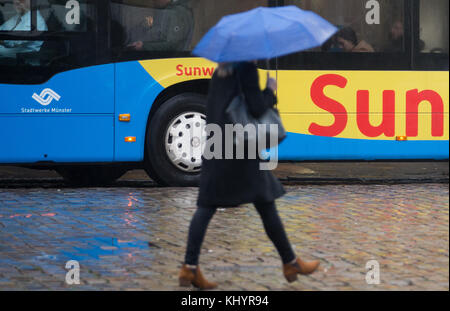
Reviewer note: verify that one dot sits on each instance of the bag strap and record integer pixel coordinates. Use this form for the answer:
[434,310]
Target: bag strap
[241,92]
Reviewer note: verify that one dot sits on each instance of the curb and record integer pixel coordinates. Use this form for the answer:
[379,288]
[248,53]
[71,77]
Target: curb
[361,181]
[59,183]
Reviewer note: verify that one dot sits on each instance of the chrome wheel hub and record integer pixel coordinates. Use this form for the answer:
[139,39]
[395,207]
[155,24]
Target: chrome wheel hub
[184,141]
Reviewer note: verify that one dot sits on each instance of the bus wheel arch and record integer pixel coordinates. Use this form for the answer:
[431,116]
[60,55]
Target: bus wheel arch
[180,103]
[199,86]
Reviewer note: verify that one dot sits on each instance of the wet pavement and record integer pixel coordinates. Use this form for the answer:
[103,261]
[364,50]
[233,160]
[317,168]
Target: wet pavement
[134,238]
[379,172]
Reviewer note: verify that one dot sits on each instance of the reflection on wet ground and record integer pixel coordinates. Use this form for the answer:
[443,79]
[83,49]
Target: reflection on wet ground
[98,247]
[128,238]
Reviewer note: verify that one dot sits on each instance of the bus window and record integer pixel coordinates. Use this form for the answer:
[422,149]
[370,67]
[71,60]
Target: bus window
[207,13]
[372,35]
[166,27]
[49,36]
[67,16]
[157,25]
[365,26]
[434,26]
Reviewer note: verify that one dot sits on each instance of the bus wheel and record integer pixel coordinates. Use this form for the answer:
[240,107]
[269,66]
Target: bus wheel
[90,176]
[175,135]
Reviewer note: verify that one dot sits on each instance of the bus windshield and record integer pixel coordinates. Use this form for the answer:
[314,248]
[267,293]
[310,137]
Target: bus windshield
[45,34]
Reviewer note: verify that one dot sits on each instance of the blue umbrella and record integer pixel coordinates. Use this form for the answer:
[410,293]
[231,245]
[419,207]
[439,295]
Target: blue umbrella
[264,33]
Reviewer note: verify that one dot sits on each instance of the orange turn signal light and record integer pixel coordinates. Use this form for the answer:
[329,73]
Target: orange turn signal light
[126,117]
[130,139]
[402,138]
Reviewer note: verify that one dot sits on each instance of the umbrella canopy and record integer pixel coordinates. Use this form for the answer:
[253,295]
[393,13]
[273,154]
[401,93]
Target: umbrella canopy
[264,33]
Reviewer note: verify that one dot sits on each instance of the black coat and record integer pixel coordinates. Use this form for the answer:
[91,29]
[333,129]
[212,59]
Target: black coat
[229,183]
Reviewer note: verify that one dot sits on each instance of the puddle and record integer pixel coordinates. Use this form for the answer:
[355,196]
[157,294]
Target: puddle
[94,248]
[45,256]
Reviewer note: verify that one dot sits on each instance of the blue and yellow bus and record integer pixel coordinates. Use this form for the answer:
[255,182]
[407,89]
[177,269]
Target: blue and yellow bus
[93,88]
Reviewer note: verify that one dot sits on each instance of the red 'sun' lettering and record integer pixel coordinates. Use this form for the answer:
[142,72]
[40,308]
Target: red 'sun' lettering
[387,126]
[413,99]
[328,104]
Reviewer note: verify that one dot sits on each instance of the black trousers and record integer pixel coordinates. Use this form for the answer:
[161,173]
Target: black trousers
[272,224]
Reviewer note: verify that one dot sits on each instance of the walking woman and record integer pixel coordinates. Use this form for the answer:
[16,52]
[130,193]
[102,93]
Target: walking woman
[230,183]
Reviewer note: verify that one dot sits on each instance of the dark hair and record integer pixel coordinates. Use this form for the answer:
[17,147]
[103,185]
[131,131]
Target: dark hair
[348,34]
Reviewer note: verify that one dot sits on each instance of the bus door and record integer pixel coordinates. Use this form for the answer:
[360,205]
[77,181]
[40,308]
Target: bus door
[56,103]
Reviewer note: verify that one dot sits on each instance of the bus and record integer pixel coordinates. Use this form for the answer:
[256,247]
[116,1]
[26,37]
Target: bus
[94,88]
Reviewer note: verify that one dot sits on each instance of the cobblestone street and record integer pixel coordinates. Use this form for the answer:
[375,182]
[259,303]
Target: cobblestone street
[134,238]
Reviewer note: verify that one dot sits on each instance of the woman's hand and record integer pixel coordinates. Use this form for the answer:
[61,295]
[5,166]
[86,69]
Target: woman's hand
[272,84]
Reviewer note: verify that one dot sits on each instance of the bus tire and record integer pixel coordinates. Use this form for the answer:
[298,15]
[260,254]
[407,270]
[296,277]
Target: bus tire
[181,114]
[90,176]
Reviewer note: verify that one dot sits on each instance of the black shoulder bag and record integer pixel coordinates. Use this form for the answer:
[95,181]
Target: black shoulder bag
[237,113]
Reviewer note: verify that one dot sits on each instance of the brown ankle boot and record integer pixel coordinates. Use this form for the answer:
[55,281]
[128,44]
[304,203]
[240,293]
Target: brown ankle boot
[291,270]
[195,277]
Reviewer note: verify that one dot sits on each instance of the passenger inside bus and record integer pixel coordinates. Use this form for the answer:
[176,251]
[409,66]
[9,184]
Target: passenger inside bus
[395,40]
[21,21]
[168,26]
[348,42]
